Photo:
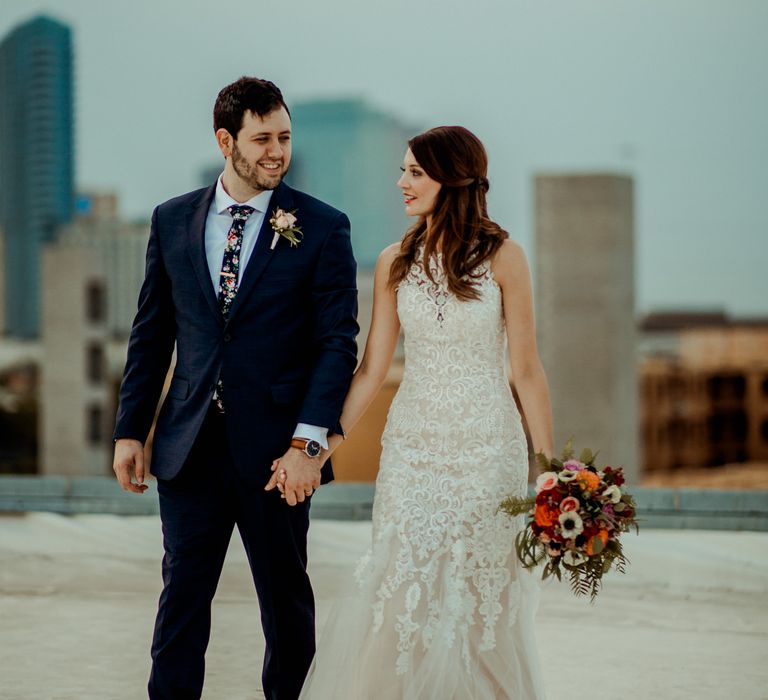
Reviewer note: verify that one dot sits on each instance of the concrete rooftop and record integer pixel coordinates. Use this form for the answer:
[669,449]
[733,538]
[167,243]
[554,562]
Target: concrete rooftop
[78,596]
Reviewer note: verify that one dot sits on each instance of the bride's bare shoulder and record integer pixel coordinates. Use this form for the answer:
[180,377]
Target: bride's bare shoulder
[387,256]
[509,263]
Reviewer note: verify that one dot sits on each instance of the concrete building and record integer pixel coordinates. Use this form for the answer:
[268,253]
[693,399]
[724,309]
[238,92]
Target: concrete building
[91,279]
[74,388]
[585,311]
[705,403]
[349,154]
[121,248]
[36,158]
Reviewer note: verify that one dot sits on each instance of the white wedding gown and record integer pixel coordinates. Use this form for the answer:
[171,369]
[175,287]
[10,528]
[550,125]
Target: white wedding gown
[442,609]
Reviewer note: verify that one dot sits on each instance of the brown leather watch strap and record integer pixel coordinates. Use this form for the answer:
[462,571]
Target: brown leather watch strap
[299,443]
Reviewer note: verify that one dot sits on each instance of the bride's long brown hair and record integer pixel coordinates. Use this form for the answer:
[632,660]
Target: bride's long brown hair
[461,229]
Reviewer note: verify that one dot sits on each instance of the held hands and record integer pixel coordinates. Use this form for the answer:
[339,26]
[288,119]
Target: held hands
[128,462]
[295,475]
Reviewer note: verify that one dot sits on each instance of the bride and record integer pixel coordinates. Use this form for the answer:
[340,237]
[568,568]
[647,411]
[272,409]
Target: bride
[443,609]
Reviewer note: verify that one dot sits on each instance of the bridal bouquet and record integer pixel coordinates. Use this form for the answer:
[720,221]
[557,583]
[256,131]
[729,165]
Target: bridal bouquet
[575,520]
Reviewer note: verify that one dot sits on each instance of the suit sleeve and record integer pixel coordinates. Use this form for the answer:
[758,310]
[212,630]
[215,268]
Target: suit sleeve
[150,347]
[334,310]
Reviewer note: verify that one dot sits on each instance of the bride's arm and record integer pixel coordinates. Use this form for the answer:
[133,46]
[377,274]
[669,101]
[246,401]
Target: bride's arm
[379,349]
[510,270]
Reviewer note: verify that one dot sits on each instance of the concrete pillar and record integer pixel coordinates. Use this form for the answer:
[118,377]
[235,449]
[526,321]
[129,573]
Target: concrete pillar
[584,266]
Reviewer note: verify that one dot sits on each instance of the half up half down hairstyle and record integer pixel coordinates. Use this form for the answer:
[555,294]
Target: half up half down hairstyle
[460,229]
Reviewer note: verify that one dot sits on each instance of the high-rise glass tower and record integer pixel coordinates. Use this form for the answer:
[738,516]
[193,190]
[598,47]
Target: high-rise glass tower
[36,158]
[349,154]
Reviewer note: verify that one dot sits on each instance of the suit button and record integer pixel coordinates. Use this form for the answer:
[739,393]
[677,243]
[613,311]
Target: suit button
[227,337]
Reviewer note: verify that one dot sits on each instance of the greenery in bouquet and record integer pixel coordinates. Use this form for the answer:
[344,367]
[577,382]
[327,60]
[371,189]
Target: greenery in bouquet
[575,521]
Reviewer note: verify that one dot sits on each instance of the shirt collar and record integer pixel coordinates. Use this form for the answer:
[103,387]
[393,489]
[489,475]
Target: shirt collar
[221,200]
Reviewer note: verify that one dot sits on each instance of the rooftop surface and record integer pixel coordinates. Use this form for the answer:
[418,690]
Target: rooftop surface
[78,596]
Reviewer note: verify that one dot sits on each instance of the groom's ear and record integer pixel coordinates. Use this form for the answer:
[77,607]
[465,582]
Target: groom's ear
[225,141]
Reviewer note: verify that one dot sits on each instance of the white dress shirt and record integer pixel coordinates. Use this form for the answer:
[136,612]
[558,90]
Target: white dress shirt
[217,225]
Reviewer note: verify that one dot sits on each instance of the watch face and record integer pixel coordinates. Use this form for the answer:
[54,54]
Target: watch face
[313,448]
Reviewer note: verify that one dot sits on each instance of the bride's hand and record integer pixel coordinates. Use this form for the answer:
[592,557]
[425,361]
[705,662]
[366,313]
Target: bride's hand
[279,475]
[295,475]
[277,480]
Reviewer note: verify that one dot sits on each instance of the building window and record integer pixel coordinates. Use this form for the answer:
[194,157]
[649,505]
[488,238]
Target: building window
[728,427]
[727,387]
[94,425]
[95,302]
[94,363]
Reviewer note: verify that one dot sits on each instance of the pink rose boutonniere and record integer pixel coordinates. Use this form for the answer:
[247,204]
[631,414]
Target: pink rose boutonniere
[284,224]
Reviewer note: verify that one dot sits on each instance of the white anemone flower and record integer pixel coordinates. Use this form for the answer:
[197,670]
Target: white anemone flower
[567,475]
[574,558]
[613,492]
[571,524]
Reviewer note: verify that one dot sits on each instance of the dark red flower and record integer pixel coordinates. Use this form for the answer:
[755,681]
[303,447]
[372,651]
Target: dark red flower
[556,495]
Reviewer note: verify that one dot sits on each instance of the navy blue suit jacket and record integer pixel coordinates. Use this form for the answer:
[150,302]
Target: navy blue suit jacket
[286,354]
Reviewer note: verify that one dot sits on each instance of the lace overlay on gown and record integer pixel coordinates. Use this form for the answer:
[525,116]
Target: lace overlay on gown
[442,610]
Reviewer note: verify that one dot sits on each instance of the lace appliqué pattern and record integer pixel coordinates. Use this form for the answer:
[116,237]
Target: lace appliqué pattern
[442,564]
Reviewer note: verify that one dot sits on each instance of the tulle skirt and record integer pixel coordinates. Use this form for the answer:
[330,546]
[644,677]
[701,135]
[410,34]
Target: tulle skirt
[417,641]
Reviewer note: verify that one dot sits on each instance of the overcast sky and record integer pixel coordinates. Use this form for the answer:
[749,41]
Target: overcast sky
[673,92]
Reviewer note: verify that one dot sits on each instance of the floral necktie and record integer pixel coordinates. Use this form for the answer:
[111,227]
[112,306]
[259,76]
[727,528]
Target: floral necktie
[230,265]
[228,279]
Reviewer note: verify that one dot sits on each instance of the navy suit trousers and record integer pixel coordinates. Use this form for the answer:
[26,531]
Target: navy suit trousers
[199,509]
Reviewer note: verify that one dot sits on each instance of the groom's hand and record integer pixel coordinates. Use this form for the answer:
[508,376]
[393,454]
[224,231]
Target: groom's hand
[302,476]
[129,462]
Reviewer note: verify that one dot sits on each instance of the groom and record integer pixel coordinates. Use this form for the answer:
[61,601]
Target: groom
[261,311]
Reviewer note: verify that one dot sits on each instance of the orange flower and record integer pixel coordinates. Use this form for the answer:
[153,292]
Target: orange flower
[545,515]
[602,535]
[589,480]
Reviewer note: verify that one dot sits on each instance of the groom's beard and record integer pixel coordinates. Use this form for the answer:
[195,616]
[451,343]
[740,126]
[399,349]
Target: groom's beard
[250,173]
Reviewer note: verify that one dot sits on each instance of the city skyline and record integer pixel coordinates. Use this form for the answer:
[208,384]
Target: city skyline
[671,95]
[36,159]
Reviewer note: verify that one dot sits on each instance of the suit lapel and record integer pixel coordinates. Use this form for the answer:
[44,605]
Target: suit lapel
[262,253]
[195,228]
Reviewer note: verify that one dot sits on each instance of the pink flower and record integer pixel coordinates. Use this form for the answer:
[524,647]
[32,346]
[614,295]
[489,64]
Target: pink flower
[284,219]
[546,481]
[574,465]
[568,504]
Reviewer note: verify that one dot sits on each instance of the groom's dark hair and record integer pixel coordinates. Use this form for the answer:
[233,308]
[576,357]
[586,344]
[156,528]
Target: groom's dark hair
[246,94]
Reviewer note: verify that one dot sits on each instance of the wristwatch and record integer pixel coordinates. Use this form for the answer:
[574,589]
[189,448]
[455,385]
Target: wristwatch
[311,448]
